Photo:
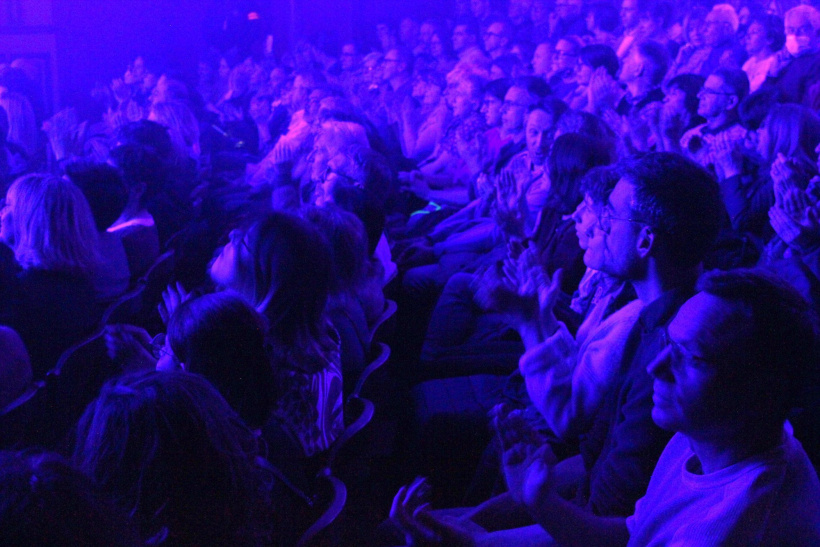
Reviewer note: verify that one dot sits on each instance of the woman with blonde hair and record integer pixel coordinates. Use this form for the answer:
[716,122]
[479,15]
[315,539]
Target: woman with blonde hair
[22,129]
[48,224]
[182,125]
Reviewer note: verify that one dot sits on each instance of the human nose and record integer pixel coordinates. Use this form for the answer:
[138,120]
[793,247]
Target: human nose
[660,366]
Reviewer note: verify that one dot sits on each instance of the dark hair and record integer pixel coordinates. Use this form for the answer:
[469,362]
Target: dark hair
[736,80]
[103,188]
[599,182]
[147,134]
[221,337]
[507,64]
[680,200]
[44,501]
[653,9]
[571,157]
[596,55]
[777,347]
[498,88]
[657,56]
[347,241]
[753,110]
[172,452]
[691,85]
[535,86]
[291,276]
[606,16]
[773,26]
[469,25]
[141,165]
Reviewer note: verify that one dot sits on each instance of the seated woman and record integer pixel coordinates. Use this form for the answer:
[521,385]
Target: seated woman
[282,267]
[48,224]
[175,457]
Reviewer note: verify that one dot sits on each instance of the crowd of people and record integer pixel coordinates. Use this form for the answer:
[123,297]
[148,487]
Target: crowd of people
[600,224]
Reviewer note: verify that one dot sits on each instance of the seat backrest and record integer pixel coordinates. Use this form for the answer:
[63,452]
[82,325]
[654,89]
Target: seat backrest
[380,359]
[357,413]
[390,308]
[330,496]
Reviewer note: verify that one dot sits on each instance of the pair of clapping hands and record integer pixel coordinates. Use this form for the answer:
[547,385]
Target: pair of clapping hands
[526,463]
[794,216]
[132,346]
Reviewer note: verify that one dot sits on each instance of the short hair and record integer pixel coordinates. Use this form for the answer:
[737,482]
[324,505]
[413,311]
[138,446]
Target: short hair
[498,88]
[536,87]
[678,199]
[778,348]
[344,134]
[773,27]
[599,183]
[470,25]
[405,56]
[606,16]
[176,457]
[596,55]
[727,14]
[347,241]
[103,188]
[44,501]
[183,127]
[148,134]
[691,85]
[658,57]
[508,64]
[52,225]
[756,106]
[809,12]
[222,337]
[736,80]
[141,165]
[656,10]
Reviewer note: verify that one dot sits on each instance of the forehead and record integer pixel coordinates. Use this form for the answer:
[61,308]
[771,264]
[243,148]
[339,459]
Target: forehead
[703,322]
[538,120]
[622,196]
[713,82]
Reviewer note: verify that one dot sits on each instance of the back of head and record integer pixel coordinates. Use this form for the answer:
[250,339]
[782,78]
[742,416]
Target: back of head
[690,84]
[183,127]
[142,167]
[147,134]
[43,501]
[347,241]
[657,57]
[103,188]
[571,157]
[221,337]
[756,106]
[174,455]
[597,55]
[680,201]
[52,225]
[775,351]
[285,248]
[599,182]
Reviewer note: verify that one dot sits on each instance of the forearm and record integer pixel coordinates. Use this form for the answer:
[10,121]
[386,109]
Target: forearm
[571,525]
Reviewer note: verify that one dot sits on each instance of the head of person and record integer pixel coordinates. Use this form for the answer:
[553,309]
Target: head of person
[540,129]
[221,337]
[565,9]
[594,56]
[571,157]
[595,186]
[694,26]
[304,82]
[176,457]
[497,36]
[143,172]
[428,88]
[480,8]
[22,125]
[565,55]
[802,26]
[45,501]
[507,66]
[665,208]
[764,35]
[792,130]
[408,31]
[397,62]
[681,95]
[464,95]
[183,127]
[493,103]
[653,19]
[629,13]
[169,89]
[103,188]
[349,57]
[386,34]
[440,44]
[540,12]
[517,101]
[266,262]
[647,62]
[720,25]
[602,17]
[519,10]
[426,30]
[542,59]
[722,92]
[465,35]
[48,224]
[739,353]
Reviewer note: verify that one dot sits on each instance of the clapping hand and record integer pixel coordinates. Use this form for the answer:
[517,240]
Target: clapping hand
[411,512]
[794,218]
[172,297]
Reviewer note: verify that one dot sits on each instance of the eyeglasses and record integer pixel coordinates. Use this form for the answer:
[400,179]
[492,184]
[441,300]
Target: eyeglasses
[605,221]
[158,349]
[680,356]
[330,171]
[708,91]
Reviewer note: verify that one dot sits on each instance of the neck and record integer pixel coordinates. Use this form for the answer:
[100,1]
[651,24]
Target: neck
[720,120]
[657,280]
[721,450]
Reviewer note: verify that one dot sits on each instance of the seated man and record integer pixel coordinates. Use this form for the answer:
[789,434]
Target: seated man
[738,353]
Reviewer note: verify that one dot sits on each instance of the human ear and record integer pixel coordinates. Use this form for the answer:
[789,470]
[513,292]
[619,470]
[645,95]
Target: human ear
[646,241]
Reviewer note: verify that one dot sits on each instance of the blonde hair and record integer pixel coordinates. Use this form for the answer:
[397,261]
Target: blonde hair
[22,125]
[183,127]
[52,225]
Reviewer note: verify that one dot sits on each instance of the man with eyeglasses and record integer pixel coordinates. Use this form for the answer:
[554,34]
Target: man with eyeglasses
[718,100]
[497,38]
[797,67]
